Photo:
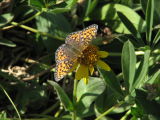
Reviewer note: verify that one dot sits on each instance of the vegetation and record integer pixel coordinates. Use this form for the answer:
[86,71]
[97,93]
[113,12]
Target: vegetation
[32,30]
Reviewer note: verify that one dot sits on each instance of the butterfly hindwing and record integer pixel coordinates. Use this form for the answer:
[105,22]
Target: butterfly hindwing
[65,59]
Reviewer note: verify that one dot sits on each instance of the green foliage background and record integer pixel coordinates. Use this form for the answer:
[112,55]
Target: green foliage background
[32,30]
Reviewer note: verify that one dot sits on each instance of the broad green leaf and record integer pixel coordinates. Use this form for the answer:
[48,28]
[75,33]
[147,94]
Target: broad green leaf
[108,13]
[111,81]
[149,19]
[6,42]
[149,106]
[108,99]
[55,24]
[128,64]
[129,25]
[142,70]
[88,93]
[62,96]
[38,4]
[5,18]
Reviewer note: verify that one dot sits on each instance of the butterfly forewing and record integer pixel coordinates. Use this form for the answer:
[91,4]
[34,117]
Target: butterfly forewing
[82,39]
[65,52]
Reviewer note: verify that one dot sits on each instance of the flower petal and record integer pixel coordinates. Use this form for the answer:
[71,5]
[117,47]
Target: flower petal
[91,69]
[82,72]
[102,54]
[103,65]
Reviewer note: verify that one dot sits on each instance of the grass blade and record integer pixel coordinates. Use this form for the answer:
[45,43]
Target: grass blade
[156,38]
[5,92]
[149,19]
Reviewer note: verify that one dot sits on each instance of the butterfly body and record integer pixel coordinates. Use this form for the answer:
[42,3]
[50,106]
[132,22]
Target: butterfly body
[67,54]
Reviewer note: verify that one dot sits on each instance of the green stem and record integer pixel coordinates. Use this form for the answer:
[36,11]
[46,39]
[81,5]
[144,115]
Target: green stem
[119,54]
[74,98]
[58,113]
[126,115]
[11,101]
[36,31]
[110,110]
[23,22]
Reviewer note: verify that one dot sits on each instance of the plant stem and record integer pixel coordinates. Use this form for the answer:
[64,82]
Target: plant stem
[58,113]
[110,110]
[126,115]
[74,98]
[119,54]
[23,22]
[36,31]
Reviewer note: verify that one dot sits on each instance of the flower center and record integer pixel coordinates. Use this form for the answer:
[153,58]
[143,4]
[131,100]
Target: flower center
[89,56]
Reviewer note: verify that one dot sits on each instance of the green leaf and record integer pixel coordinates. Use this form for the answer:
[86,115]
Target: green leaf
[3,115]
[149,19]
[156,38]
[108,99]
[63,7]
[141,73]
[62,96]
[128,64]
[156,10]
[59,10]
[91,4]
[55,24]
[71,3]
[148,106]
[37,4]
[144,5]
[87,94]
[155,78]
[137,112]
[7,43]
[5,18]
[130,26]
[108,13]
[111,81]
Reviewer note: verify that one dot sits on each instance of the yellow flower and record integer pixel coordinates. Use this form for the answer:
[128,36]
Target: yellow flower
[86,62]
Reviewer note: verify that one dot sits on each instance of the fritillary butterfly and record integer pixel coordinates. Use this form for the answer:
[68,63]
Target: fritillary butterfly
[67,54]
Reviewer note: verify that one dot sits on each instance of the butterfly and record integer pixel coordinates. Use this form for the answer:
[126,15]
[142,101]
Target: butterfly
[67,54]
